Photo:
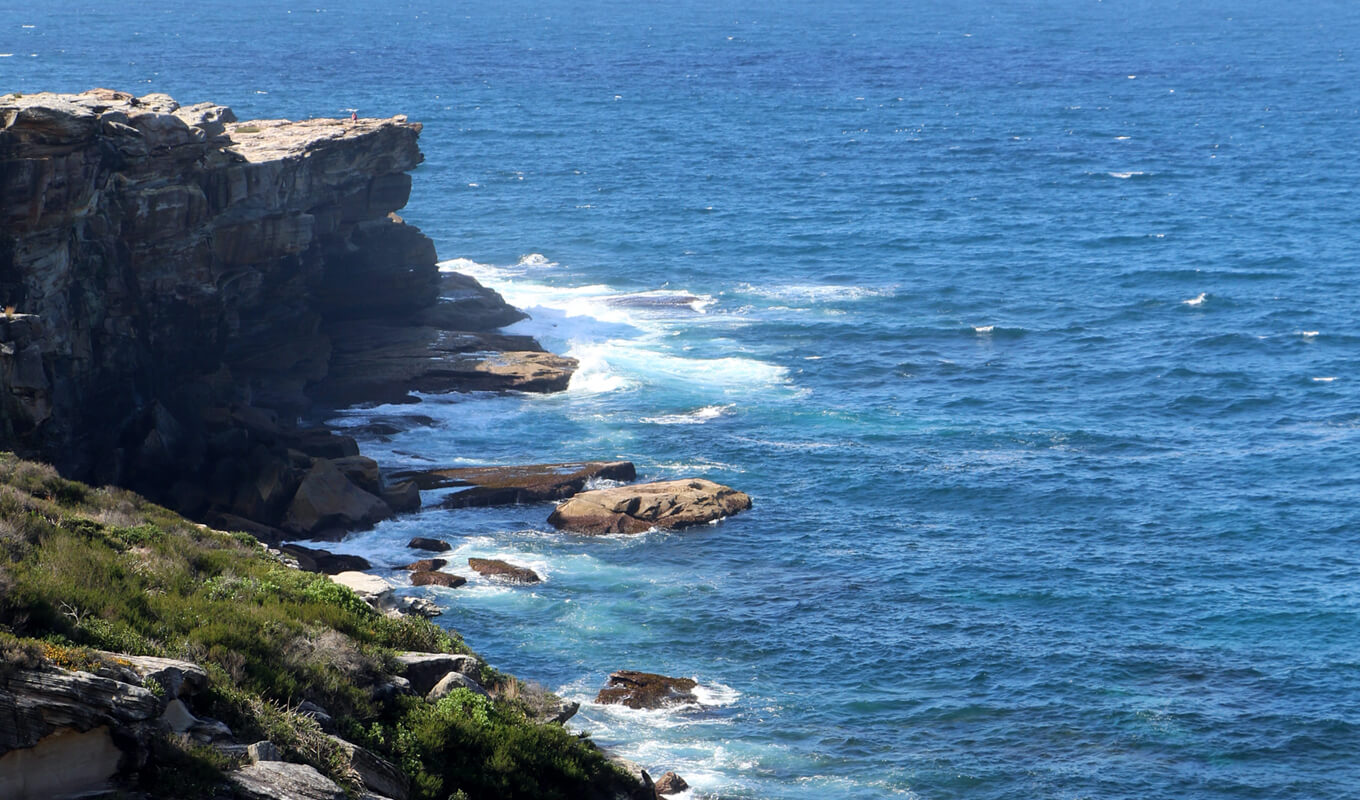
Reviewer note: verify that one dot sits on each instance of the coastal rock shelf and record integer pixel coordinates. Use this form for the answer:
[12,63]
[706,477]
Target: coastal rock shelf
[640,507]
[532,483]
[180,287]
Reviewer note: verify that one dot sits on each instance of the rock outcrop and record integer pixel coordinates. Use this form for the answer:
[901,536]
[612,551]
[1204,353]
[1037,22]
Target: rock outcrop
[179,287]
[504,571]
[531,483]
[640,507]
[647,690]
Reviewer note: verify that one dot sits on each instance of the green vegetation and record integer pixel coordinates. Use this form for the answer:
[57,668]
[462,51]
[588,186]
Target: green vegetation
[105,569]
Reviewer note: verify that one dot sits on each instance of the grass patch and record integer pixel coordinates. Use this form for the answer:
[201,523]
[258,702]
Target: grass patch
[104,569]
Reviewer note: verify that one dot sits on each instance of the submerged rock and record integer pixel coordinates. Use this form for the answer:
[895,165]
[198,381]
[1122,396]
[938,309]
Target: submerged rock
[432,577]
[501,570]
[647,690]
[634,509]
[670,783]
[433,545]
[508,485]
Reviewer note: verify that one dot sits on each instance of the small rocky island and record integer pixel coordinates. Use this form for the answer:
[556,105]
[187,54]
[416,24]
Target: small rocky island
[184,295]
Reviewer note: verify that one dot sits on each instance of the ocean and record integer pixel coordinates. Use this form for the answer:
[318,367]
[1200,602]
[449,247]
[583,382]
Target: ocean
[1030,327]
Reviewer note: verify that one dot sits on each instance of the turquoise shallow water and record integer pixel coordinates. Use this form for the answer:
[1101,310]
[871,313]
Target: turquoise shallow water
[1031,329]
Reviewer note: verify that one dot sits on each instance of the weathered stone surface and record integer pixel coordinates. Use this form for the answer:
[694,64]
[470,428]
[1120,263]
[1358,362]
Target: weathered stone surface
[361,471]
[424,670]
[647,690]
[636,508]
[177,678]
[402,496]
[503,571]
[420,607]
[531,483]
[263,750]
[178,278]
[377,773]
[324,561]
[426,564]
[388,362]
[433,545]
[371,589]
[451,681]
[67,763]
[670,783]
[35,703]
[435,578]
[326,498]
[281,780]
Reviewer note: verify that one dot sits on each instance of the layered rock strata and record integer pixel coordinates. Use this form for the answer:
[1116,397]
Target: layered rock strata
[179,287]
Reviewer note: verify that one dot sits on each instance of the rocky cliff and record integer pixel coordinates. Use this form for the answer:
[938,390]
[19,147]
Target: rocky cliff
[179,288]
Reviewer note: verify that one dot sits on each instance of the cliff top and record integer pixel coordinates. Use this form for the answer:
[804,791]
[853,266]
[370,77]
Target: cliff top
[48,123]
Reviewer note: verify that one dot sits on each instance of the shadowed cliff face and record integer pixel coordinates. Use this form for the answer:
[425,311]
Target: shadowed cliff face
[177,278]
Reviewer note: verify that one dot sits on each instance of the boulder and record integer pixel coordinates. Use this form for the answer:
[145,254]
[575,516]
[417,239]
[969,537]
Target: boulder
[361,471]
[371,589]
[451,681]
[531,483]
[281,780]
[424,670]
[402,496]
[435,578]
[263,750]
[326,498]
[324,561]
[433,545]
[670,783]
[177,678]
[420,607]
[426,564]
[647,690]
[496,569]
[640,507]
[377,773]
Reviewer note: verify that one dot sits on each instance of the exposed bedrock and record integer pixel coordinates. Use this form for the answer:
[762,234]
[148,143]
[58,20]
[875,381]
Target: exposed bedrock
[640,507]
[180,287]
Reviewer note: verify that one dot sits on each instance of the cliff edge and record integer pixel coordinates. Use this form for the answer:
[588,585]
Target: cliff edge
[179,288]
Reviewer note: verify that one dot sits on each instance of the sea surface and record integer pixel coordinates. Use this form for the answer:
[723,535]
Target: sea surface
[1032,328]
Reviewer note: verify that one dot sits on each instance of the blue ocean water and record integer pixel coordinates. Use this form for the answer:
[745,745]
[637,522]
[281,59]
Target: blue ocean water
[1031,328]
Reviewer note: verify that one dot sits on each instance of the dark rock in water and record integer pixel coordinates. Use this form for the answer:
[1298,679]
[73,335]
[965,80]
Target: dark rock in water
[402,496]
[361,471]
[670,783]
[531,483]
[324,561]
[433,545]
[636,508]
[386,362]
[466,305]
[426,565]
[647,690]
[501,570]
[436,578]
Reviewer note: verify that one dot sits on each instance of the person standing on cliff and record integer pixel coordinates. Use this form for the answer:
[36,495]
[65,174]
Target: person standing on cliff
[354,116]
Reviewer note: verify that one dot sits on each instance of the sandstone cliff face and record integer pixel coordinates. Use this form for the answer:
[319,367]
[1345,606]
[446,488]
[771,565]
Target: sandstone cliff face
[173,281]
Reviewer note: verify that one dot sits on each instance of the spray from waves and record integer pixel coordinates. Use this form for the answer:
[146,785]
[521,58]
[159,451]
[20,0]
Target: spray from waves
[696,417]
[815,293]
[1195,301]
[623,341]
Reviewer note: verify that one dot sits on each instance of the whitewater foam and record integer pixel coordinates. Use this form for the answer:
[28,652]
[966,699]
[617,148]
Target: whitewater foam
[696,417]
[1195,301]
